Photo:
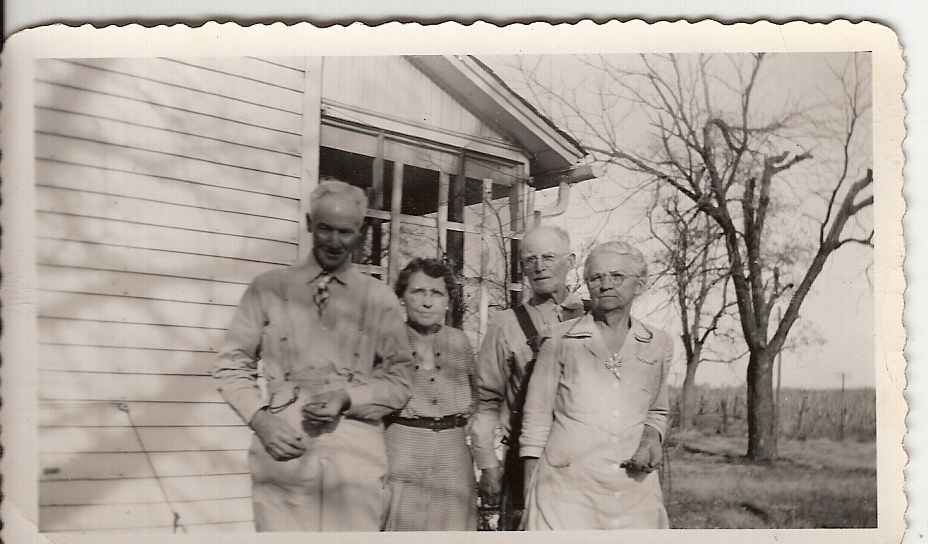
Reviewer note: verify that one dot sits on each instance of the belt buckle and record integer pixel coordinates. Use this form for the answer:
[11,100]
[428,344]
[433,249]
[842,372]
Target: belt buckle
[435,424]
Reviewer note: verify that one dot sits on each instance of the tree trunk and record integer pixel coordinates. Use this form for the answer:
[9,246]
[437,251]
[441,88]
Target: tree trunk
[762,436]
[687,403]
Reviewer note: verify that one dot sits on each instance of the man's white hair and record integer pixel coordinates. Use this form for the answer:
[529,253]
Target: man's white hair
[331,186]
[619,247]
[562,235]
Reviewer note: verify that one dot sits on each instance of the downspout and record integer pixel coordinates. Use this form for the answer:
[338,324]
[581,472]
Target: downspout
[567,178]
[559,207]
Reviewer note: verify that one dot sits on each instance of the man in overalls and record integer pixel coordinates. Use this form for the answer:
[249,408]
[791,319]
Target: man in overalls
[505,363]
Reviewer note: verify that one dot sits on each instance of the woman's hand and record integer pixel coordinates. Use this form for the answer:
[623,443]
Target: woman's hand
[530,464]
[649,455]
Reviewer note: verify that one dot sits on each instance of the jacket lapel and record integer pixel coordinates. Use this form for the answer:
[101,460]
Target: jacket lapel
[638,337]
[585,330]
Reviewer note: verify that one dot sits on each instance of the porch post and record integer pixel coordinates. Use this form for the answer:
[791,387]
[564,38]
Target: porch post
[396,207]
[484,309]
[311,136]
[444,187]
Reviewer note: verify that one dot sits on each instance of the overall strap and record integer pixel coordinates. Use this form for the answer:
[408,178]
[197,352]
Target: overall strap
[528,328]
[518,382]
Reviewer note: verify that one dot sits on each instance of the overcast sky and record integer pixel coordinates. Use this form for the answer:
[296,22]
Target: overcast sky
[839,311]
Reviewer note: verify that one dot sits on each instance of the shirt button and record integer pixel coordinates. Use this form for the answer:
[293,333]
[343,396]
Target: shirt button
[615,466]
[615,439]
[615,413]
[617,494]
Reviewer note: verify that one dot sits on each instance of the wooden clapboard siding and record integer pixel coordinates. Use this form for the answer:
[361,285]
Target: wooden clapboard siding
[137,285]
[164,142]
[175,83]
[61,386]
[105,154]
[122,309]
[148,491]
[73,332]
[253,69]
[100,105]
[127,360]
[413,98]
[74,202]
[164,186]
[215,515]
[106,257]
[244,200]
[81,228]
[156,413]
[219,527]
[103,466]
[297,64]
[155,439]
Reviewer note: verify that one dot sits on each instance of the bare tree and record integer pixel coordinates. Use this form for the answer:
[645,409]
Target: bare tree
[693,267]
[719,135]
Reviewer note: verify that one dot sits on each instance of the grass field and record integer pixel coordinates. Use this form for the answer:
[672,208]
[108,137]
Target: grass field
[816,483]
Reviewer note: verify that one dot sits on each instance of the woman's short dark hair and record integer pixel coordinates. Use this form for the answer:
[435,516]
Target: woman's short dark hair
[432,268]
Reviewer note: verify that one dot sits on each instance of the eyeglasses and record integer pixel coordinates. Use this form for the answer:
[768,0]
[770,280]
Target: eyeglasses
[617,278]
[548,258]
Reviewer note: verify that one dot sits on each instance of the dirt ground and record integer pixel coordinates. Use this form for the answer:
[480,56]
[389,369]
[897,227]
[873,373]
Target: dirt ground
[816,483]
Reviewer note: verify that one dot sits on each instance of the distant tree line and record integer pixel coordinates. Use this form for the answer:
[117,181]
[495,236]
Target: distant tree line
[802,413]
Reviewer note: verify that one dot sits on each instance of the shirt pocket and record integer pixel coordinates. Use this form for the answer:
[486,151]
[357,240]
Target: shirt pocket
[641,370]
[638,381]
[275,336]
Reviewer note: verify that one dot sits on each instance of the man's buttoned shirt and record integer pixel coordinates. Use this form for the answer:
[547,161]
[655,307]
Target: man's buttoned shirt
[357,342]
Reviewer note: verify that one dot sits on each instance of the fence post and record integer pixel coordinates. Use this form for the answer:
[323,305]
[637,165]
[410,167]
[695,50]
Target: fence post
[724,406]
[802,409]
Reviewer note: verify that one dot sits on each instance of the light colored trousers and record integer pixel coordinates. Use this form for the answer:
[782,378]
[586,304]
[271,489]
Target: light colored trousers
[336,485]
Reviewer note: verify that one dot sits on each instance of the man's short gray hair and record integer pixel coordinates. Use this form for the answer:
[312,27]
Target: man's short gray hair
[619,247]
[331,186]
[562,235]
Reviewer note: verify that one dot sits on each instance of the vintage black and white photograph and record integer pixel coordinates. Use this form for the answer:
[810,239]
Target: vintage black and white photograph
[373,289]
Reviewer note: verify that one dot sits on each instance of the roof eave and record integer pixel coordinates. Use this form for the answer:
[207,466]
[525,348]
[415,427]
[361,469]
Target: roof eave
[473,83]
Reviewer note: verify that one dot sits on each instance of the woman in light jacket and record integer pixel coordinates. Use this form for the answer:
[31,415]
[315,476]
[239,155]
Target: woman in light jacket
[597,407]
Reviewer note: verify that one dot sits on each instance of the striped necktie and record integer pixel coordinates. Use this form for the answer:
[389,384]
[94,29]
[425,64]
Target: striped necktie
[321,296]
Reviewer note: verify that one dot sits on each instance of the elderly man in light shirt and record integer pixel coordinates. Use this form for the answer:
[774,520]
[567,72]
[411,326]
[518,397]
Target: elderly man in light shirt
[504,365]
[336,360]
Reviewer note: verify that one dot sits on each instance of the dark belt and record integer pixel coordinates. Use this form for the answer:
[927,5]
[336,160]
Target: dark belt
[433,423]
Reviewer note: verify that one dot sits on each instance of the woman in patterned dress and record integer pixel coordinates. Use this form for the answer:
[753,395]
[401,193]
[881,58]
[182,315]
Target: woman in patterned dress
[431,484]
